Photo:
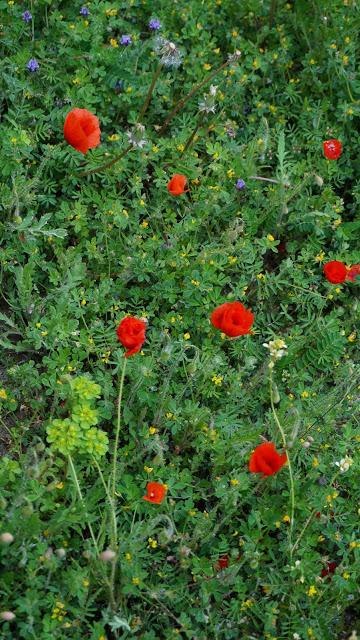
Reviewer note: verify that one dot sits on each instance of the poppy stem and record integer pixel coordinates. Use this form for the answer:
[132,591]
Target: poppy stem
[113,536]
[108,164]
[310,518]
[117,433]
[292,490]
[189,95]
[109,583]
[150,92]
[81,497]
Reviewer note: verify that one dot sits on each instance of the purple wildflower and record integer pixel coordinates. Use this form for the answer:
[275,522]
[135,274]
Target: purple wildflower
[154,24]
[27,16]
[84,11]
[125,40]
[240,184]
[33,65]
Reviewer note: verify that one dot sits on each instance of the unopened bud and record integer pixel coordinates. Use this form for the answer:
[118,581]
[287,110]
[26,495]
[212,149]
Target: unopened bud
[48,553]
[7,615]
[61,553]
[306,444]
[6,537]
[319,181]
[108,555]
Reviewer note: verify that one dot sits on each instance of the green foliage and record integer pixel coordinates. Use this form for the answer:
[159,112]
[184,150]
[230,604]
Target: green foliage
[79,252]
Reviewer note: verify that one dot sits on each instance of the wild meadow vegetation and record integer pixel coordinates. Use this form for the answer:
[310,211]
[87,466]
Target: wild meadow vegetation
[179,313]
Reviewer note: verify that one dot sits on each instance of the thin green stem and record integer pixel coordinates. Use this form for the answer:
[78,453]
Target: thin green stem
[150,92]
[310,518]
[292,490]
[117,433]
[108,164]
[77,485]
[109,583]
[113,536]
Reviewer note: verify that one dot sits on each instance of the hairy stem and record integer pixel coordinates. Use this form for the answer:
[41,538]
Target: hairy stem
[291,477]
[150,92]
[117,433]
[113,536]
[78,489]
[108,164]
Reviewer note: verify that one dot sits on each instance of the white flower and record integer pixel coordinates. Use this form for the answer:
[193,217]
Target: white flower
[136,136]
[344,464]
[276,347]
[207,105]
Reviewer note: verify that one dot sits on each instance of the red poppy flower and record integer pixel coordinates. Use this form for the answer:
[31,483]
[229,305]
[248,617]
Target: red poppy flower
[131,333]
[232,319]
[353,272]
[177,185]
[331,566]
[155,492]
[266,460]
[223,562]
[81,130]
[335,272]
[332,149]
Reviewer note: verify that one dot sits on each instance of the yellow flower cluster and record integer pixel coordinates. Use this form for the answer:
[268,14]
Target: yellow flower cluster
[58,611]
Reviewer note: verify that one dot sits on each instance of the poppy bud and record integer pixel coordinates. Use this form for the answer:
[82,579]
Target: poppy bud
[6,537]
[318,180]
[7,616]
[108,555]
[276,395]
[61,553]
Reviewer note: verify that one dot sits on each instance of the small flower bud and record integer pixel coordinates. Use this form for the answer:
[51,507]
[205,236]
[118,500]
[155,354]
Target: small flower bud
[7,615]
[319,181]
[61,553]
[6,537]
[306,444]
[108,555]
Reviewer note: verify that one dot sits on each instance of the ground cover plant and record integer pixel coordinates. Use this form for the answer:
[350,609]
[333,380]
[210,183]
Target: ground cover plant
[179,312]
